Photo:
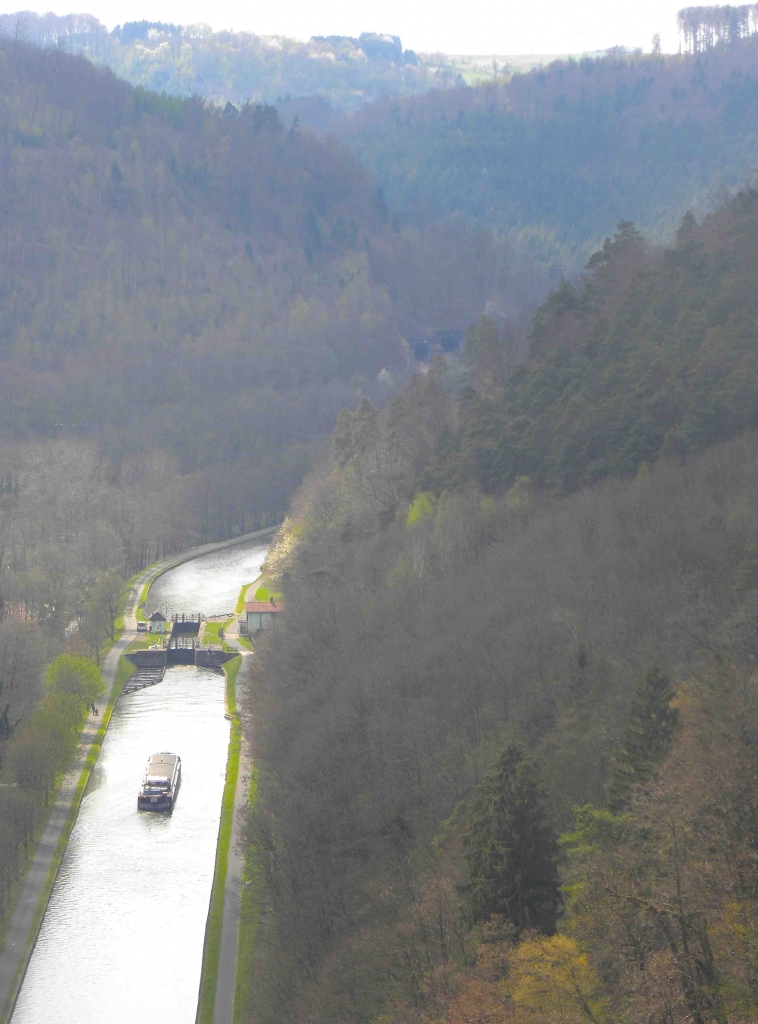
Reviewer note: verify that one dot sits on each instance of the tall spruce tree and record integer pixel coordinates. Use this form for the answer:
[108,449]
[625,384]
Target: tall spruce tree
[646,737]
[512,848]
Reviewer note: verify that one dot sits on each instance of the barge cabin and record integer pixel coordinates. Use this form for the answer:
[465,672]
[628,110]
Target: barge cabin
[161,783]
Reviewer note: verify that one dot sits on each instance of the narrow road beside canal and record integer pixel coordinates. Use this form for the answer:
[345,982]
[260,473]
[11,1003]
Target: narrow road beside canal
[27,916]
[227,964]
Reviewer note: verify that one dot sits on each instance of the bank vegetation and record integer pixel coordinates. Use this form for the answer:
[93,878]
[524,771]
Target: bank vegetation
[505,734]
[40,749]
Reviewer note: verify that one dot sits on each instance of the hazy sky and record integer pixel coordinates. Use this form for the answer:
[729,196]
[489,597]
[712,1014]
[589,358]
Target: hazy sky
[476,26]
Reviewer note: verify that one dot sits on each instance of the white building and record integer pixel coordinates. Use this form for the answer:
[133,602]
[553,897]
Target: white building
[157,623]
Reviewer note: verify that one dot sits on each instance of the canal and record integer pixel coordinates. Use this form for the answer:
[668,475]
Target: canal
[122,940]
[208,585]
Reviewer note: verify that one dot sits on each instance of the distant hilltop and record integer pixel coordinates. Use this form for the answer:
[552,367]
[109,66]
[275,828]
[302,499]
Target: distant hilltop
[238,67]
[346,72]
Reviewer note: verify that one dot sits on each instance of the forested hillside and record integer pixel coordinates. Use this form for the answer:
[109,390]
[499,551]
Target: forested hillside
[188,296]
[505,735]
[653,353]
[558,156]
[505,726]
[237,67]
[208,284]
[553,159]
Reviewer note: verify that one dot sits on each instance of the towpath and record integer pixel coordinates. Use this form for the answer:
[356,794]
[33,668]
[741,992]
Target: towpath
[227,961]
[23,928]
[21,936]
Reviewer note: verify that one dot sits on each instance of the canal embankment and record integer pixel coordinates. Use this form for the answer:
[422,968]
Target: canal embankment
[132,893]
[216,952]
[30,909]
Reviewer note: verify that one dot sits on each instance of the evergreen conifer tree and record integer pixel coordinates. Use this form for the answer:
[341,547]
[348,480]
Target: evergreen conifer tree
[646,737]
[512,848]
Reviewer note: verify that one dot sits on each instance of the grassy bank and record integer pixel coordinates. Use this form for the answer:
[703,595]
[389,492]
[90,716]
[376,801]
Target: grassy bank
[240,605]
[145,640]
[262,593]
[118,625]
[123,672]
[141,601]
[212,633]
[212,947]
[250,916]
[231,670]
[266,592]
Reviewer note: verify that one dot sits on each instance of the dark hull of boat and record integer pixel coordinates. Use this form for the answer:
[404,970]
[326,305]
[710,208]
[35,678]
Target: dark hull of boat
[159,803]
[148,803]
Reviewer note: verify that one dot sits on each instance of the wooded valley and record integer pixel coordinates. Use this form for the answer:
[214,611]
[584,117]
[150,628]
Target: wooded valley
[490,354]
[555,158]
[212,286]
[441,618]
[189,296]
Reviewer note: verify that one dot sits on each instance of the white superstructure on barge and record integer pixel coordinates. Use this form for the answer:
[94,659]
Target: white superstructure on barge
[161,782]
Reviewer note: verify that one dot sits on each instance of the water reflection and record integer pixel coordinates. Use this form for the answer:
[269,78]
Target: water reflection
[122,939]
[207,585]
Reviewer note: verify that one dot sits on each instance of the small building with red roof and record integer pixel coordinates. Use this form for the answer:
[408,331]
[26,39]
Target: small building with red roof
[261,614]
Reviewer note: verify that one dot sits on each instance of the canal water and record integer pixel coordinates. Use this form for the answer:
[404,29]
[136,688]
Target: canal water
[209,585]
[122,940]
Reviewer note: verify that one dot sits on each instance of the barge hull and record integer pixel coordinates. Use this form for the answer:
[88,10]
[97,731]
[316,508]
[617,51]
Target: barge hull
[160,785]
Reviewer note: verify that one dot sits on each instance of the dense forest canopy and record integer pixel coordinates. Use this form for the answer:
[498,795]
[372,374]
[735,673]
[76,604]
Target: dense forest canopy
[555,158]
[237,67]
[188,297]
[506,736]
[552,159]
[653,353]
[204,281]
[505,731]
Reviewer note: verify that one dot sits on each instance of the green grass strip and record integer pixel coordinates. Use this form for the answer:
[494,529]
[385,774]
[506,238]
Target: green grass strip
[213,928]
[212,631]
[232,669]
[240,605]
[250,919]
[119,623]
[123,672]
[140,615]
[145,640]
[263,593]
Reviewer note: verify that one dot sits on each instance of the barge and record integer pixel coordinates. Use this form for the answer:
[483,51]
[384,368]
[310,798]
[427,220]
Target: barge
[161,783]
